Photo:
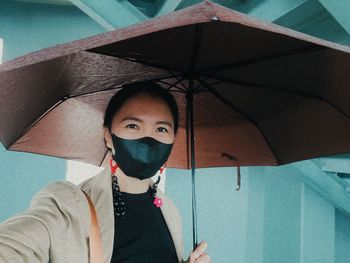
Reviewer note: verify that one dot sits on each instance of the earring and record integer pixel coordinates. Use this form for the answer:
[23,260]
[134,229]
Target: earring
[162,169]
[113,166]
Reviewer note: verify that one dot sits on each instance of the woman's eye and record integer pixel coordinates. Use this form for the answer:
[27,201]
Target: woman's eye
[131,126]
[162,129]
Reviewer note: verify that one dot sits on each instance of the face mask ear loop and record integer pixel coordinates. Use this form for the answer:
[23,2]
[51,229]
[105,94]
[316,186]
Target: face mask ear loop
[157,201]
[113,165]
[118,199]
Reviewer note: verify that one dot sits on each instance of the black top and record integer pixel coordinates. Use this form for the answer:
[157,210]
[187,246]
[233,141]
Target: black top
[142,234]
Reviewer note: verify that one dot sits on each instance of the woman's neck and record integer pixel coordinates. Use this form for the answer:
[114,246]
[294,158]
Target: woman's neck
[130,184]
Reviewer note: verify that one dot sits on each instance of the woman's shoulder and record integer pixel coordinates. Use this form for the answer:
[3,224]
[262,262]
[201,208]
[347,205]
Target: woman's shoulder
[62,191]
[100,181]
[67,196]
[62,196]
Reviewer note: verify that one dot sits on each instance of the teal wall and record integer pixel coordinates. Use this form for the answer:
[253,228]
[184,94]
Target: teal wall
[275,217]
[281,217]
[28,27]
[222,211]
[342,241]
[22,175]
[25,28]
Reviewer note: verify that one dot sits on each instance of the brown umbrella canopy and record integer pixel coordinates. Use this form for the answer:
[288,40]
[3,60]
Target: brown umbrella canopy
[262,93]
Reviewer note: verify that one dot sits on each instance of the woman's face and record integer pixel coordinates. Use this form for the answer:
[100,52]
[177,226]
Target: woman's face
[141,116]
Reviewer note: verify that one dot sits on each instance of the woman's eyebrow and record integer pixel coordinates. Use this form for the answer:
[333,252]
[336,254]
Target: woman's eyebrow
[129,118]
[164,123]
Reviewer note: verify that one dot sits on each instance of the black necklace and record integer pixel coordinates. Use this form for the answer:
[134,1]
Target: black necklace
[119,204]
[118,199]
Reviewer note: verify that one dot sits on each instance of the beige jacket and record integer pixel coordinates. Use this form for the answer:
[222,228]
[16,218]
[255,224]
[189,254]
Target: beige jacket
[56,226]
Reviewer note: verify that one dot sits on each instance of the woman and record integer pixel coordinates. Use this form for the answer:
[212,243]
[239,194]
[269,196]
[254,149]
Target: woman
[137,222]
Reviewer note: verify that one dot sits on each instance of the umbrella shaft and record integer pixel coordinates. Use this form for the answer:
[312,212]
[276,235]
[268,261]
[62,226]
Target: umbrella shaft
[190,141]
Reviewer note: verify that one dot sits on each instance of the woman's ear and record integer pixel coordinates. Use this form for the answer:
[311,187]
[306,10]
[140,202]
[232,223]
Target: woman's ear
[108,138]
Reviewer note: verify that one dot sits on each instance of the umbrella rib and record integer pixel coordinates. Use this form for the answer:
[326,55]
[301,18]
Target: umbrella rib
[286,91]
[39,118]
[179,78]
[196,43]
[167,77]
[171,86]
[91,93]
[196,46]
[235,108]
[145,63]
[112,88]
[251,61]
[52,107]
[201,88]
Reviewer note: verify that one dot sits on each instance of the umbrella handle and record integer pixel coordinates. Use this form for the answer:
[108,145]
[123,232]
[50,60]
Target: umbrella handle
[238,187]
[234,159]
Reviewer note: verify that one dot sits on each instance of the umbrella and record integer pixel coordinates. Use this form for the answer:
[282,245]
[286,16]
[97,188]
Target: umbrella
[249,92]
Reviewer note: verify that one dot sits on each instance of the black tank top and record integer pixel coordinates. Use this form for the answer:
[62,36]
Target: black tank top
[142,235]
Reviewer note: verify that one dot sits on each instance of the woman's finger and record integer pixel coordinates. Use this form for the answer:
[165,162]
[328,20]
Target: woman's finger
[199,250]
[204,258]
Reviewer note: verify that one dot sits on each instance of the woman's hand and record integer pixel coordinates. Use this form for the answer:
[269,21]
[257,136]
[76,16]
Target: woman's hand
[198,255]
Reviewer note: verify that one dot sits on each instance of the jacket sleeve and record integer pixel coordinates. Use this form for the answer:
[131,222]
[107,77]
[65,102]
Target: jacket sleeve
[24,238]
[174,218]
[34,235]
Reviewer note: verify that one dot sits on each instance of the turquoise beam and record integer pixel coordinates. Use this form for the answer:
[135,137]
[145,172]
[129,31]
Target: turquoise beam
[314,19]
[337,163]
[340,10]
[27,27]
[327,184]
[168,6]
[111,14]
[269,10]
[1,43]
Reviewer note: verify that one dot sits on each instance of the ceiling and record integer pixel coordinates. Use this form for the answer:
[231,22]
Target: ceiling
[51,2]
[326,19]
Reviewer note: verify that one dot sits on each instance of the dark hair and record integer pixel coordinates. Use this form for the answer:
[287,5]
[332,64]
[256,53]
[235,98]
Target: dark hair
[129,90]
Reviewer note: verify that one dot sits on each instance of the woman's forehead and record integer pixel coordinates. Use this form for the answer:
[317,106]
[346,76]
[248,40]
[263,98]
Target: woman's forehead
[145,106]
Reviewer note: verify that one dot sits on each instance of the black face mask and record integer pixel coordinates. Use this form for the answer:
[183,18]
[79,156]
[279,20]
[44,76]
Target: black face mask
[140,158]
